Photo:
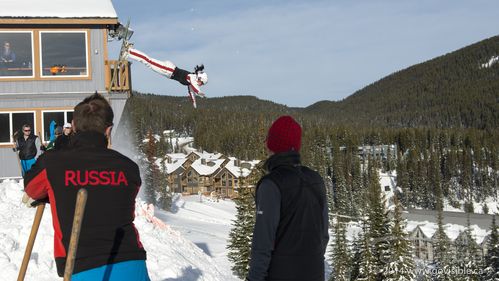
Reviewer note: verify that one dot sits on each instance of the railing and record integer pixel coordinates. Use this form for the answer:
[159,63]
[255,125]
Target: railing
[118,76]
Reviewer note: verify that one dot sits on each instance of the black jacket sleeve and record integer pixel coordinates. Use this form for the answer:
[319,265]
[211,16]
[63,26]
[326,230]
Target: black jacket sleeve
[267,220]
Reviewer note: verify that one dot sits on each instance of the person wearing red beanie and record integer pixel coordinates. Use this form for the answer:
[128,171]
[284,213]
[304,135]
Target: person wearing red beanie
[284,135]
[291,228]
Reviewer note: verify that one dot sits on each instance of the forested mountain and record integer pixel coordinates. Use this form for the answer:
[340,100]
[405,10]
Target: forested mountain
[458,90]
[442,115]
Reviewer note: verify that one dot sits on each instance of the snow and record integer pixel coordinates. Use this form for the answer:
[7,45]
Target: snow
[492,205]
[58,9]
[170,253]
[492,61]
[451,230]
[237,170]
[209,168]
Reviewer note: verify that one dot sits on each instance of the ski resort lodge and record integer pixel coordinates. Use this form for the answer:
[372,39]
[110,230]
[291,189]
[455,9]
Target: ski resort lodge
[54,54]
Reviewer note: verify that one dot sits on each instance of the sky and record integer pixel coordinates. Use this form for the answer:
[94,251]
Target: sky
[297,53]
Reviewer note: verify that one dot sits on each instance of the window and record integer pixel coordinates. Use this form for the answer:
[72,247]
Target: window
[57,118]
[16,55]
[12,122]
[64,53]
[192,178]
[4,128]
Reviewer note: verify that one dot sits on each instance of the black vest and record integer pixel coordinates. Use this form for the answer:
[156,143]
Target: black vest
[298,251]
[27,148]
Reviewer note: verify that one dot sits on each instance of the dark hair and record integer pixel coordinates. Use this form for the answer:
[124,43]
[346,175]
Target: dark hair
[93,114]
[26,125]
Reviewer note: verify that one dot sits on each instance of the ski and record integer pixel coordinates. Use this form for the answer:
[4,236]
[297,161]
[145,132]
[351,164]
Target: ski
[31,241]
[81,201]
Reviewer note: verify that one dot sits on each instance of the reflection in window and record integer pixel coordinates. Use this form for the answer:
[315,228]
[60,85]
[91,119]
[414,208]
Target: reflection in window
[4,127]
[16,54]
[64,54]
[53,119]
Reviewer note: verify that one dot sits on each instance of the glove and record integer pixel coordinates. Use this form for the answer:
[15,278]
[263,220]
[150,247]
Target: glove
[31,203]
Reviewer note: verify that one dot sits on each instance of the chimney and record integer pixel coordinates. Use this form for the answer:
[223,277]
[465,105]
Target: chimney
[203,161]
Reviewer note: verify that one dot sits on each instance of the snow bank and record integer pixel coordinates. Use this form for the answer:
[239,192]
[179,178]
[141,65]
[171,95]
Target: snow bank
[170,255]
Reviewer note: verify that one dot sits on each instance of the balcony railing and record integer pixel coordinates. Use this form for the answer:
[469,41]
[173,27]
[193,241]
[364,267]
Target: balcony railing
[118,76]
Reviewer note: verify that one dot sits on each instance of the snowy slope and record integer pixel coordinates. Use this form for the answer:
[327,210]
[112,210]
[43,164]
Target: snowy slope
[207,224]
[170,255]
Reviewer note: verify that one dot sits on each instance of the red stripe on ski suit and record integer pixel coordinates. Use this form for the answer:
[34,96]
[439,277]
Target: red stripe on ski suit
[39,188]
[150,61]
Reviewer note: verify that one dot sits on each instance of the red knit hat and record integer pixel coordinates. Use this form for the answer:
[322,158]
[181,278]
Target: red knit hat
[284,135]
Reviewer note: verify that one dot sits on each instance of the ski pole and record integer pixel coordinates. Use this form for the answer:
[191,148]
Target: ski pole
[81,200]
[31,241]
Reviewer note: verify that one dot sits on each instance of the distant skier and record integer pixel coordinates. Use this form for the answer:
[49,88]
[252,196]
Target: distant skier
[193,80]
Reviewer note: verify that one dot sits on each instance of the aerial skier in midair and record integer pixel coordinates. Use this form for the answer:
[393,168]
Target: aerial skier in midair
[193,80]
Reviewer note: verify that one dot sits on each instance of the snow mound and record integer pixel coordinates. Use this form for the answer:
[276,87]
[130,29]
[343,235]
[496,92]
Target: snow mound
[169,255]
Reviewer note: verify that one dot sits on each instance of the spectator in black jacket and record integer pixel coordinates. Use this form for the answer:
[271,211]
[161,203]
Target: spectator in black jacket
[291,229]
[29,147]
[109,247]
[64,140]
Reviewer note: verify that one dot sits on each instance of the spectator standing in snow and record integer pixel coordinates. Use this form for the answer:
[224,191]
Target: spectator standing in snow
[291,229]
[109,247]
[29,147]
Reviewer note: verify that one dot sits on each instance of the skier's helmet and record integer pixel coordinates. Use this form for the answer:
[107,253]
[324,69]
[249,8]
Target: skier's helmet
[203,77]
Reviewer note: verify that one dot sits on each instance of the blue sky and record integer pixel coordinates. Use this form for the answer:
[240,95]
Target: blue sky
[297,52]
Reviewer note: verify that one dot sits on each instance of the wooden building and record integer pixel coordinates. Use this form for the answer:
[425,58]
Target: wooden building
[54,54]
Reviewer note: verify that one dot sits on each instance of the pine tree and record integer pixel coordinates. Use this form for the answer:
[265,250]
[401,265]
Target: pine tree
[401,262]
[356,256]
[340,255]
[441,249]
[491,268]
[367,261]
[152,172]
[379,233]
[467,261]
[240,236]
[165,192]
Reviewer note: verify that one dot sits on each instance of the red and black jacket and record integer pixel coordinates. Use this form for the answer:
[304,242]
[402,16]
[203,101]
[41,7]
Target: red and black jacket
[112,180]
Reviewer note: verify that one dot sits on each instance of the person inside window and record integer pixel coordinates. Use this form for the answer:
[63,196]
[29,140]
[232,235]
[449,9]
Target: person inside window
[7,56]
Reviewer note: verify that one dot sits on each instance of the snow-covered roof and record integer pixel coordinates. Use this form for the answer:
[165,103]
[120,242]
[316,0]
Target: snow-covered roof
[238,171]
[207,169]
[172,167]
[176,156]
[57,9]
[207,155]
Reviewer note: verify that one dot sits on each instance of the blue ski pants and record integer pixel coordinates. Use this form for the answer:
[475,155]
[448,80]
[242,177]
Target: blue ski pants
[26,165]
[134,270]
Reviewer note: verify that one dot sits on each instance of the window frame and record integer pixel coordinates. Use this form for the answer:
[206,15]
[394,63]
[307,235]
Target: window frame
[42,132]
[33,58]
[64,77]
[11,123]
